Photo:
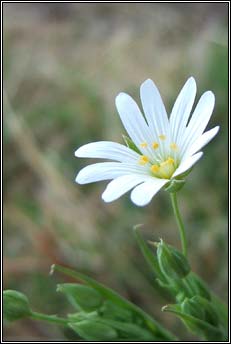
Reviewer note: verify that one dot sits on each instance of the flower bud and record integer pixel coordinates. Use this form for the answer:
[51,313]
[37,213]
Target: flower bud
[92,330]
[210,313]
[81,296]
[201,308]
[198,286]
[15,305]
[192,307]
[173,263]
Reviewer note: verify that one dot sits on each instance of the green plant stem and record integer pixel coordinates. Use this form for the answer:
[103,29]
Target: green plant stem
[179,222]
[49,318]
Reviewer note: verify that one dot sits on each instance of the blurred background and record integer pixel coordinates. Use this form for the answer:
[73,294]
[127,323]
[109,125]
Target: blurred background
[63,66]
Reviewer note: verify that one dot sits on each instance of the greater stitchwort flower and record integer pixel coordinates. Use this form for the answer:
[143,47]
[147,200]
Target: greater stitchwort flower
[165,148]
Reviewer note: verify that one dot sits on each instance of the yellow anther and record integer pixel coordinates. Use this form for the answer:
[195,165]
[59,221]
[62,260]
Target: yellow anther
[143,144]
[155,145]
[143,160]
[155,168]
[174,146]
[170,160]
[162,137]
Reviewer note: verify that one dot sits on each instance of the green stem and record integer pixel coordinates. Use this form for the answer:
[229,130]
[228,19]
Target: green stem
[49,318]
[179,222]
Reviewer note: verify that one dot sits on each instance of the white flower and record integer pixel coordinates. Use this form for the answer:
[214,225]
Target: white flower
[168,147]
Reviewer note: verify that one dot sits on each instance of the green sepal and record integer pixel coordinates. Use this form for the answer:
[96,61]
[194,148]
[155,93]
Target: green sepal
[184,174]
[130,144]
[197,286]
[172,262]
[174,185]
[201,308]
[192,307]
[82,297]
[15,305]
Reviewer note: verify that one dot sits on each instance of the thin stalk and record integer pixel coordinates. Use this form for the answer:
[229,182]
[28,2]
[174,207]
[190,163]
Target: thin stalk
[179,222]
[49,318]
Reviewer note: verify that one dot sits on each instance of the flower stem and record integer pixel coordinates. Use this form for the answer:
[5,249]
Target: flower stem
[179,222]
[49,318]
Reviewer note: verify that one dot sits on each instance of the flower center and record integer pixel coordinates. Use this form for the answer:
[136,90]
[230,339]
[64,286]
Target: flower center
[164,161]
[165,169]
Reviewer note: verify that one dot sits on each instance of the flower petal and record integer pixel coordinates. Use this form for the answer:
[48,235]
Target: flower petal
[154,108]
[199,120]
[144,192]
[134,122]
[107,150]
[187,164]
[121,185]
[181,109]
[203,140]
[107,170]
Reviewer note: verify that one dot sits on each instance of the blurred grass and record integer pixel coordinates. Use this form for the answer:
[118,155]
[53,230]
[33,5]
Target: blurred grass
[63,66]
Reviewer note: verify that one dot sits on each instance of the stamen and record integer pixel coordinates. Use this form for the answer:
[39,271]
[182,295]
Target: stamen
[162,137]
[174,146]
[155,168]
[143,144]
[155,145]
[169,161]
[143,160]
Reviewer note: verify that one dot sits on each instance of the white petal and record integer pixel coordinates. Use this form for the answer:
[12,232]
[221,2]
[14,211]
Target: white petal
[187,164]
[144,192]
[121,185]
[134,121]
[181,109]
[154,108]
[203,140]
[200,119]
[107,170]
[107,150]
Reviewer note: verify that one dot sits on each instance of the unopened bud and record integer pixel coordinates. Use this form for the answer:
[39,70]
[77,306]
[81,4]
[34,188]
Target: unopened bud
[198,286]
[201,308]
[191,307]
[15,305]
[173,263]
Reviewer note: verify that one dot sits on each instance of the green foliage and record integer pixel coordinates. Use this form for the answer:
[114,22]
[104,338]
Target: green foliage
[104,315]
[94,330]
[80,296]
[194,302]
[119,309]
[196,325]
